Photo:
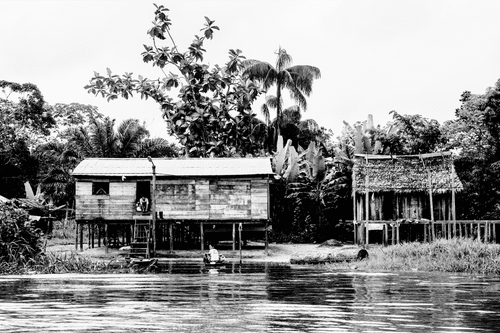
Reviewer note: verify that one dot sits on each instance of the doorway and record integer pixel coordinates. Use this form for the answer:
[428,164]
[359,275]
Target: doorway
[143,190]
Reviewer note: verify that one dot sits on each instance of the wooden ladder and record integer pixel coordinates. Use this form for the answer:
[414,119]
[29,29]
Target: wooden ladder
[141,245]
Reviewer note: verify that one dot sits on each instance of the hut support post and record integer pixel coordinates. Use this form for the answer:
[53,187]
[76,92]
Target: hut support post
[266,241]
[234,236]
[367,202]
[171,235]
[397,233]
[431,202]
[240,227]
[99,227]
[494,230]
[106,238]
[386,234]
[76,235]
[202,237]
[393,233]
[81,236]
[354,208]
[453,207]
[478,231]
[355,231]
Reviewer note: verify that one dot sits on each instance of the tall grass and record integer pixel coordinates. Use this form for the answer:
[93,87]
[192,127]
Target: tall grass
[461,255]
[54,263]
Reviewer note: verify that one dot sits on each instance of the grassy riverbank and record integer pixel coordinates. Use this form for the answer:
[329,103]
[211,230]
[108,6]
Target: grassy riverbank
[457,255]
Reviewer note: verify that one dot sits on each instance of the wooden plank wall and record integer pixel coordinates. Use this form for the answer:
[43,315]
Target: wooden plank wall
[118,205]
[184,199]
[215,199]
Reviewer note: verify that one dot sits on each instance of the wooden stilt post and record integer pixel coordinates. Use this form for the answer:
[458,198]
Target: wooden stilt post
[171,234]
[478,231]
[367,203]
[106,238]
[81,236]
[240,227]
[76,235]
[494,226]
[355,231]
[354,208]
[386,233]
[431,203]
[433,231]
[397,233]
[266,242]
[486,231]
[234,236]
[93,233]
[393,233]
[202,237]
[453,205]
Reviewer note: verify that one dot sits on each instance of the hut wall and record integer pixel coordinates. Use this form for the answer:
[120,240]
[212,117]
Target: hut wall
[214,199]
[442,207]
[183,199]
[394,206]
[118,205]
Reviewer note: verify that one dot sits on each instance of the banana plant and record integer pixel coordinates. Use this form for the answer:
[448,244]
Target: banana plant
[364,139]
[289,164]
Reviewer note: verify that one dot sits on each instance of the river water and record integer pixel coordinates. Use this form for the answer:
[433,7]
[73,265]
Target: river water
[250,298]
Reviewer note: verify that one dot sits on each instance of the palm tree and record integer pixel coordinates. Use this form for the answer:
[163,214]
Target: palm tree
[297,79]
[131,139]
[57,160]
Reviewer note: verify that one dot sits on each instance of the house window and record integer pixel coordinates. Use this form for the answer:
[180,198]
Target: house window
[100,188]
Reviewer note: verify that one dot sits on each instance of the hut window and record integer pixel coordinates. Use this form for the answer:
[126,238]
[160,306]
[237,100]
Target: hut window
[100,188]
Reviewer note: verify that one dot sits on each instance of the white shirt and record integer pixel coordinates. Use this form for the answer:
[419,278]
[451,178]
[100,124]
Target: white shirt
[214,255]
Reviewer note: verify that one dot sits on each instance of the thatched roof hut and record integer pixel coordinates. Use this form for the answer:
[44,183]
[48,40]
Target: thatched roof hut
[403,186]
[405,173]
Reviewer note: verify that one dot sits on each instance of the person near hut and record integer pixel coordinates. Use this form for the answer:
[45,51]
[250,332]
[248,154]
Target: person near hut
[144,203]
[212,256]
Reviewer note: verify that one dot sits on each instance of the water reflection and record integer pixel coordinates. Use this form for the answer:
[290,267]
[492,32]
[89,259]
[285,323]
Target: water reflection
[249,298]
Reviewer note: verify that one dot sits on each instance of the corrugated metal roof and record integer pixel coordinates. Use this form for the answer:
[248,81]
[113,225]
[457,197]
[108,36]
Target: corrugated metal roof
[173,167]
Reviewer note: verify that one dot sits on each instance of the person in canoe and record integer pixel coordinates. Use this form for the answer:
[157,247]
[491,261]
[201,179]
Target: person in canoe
[212,257]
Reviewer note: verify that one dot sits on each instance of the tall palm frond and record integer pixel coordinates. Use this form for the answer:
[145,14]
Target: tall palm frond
[130,134]
[297,79]
[157,147]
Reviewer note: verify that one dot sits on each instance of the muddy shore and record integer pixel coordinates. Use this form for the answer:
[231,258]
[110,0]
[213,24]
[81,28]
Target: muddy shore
[277,253]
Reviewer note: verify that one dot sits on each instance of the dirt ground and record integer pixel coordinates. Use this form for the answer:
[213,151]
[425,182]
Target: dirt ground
[277,253]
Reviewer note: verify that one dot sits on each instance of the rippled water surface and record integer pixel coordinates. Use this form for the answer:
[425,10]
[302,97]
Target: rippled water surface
[251,298]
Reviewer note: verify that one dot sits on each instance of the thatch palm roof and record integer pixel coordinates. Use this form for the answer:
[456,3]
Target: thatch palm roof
[405,173]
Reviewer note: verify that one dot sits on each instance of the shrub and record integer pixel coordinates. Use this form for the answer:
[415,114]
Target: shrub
[19,239]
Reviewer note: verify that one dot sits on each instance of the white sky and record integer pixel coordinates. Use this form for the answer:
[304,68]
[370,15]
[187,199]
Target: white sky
[415,57]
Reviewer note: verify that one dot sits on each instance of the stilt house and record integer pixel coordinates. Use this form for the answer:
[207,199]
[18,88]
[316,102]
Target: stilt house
[189,200]
[411,187]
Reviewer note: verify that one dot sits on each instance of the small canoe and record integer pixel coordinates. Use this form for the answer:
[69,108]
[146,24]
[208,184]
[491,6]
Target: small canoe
[218,263]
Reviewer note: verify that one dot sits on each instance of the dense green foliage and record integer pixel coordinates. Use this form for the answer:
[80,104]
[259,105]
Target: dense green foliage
[212,115]
[24,121]
[19,239]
